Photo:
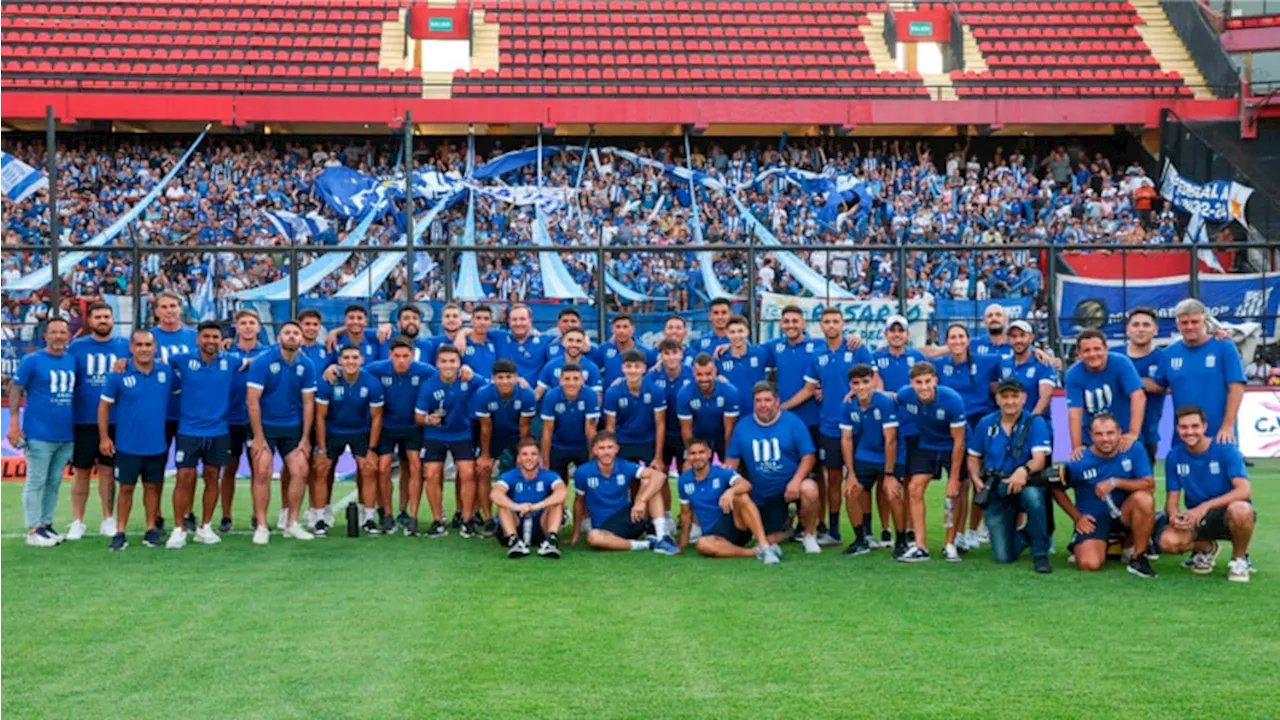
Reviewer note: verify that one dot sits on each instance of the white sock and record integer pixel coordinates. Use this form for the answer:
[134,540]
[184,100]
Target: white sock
[662,526]
[667,516]
[639,545]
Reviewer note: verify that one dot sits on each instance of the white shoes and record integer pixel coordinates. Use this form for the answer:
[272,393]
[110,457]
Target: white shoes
[810,544]
[983,535]
[1238,570]
[963,542]
[261,535]
[283,521]
[177,539]
[206,536]
[950,553]
[695,532]
[40,540]
[77,530]
[108,527]
[297,532]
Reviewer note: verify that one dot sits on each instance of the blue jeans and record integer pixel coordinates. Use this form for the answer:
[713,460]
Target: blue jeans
[45,463]
[1002,522]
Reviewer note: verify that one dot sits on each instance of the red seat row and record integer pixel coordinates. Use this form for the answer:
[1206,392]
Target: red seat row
[723,73]
[1072,33]
[721,6]
[781,60]
[184,26]
[664,45]
[167,86]
[684,91]
[1127,75]
[1073,91]
[1070,60]
[622,31]
[1063,46]
[1256,21]
[96,42]
[1055,19]
[161,53]
[202,12]
[193,69]
[1043,7]
[661,18]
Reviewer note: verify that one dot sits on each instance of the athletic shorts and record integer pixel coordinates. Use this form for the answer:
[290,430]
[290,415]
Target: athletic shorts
[773,513]
[925,462]
[211,451]
[673,451]
[869,473]
[283,440]
[239,435]
[561,459]
[621,524]
[336,444]
[170,432]
[150,468]
[85,455]
[536,535]
[830,451]
[408,440]
[639,453]
[725,528]
[434,451]
[1151,452]
[1213,526]
[1105,528]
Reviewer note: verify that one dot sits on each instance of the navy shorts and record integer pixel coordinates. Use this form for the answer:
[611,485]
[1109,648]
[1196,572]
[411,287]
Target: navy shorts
[239,435]
[830,451]
[725,528]
[336,444]
[925,462]
[211,451]
[773,514]
[673,450]
[148,467]
[283,440]
[170,432]
[434,451]
[85,455]
[408,440]
[561,459]
[1213,526]
[1103,528]
[869,473]
[621,524]
[639,453]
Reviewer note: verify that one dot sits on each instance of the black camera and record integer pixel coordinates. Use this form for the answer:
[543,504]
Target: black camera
[990,479]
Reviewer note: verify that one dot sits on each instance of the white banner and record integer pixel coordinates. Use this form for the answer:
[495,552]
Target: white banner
[1259,424]
[865,317]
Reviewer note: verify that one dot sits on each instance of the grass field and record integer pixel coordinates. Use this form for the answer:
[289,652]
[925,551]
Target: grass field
[407,627]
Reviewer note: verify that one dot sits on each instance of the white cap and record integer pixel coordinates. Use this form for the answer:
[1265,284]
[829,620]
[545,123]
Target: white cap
[896,320]
[1022,325]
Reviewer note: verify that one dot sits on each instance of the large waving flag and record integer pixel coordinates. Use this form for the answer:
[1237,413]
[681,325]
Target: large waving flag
[19,180]
[1197,233]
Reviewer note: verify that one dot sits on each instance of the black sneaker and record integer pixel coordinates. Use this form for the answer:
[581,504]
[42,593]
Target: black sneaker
[468,530]
[402,520]
[371,527]
[478,520]
[1042,565]
[456,522]
[1141,567]
[898,549]
[886,538]
[516,548]
[189,523]
[224,525]
[490,528]
[858,547]
[388,525]
[152,538]
[438,529]
[322,528]
[410,526]
[550,548]
[160,524]
[382,518]
[118,543]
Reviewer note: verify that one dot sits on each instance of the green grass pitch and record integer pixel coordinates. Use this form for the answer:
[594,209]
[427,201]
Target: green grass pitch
[404,627]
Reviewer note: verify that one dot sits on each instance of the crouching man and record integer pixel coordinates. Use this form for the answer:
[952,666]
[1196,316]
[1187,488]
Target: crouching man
[530,500]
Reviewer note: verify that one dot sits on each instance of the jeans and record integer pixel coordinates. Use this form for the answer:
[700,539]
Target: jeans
[45,464]
[1002,522]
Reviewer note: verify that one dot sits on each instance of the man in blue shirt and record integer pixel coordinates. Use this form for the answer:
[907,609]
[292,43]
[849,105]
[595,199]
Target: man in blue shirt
[742,363]
[530,500]
[46,429]
[1103,382]
[172,338]
[569,417]
[1212,477]
[773,449]
[401,377]
[718,499]
[609,355]
[568,319]
[505,410]
[245,348]
[521,345]
[572,351]
[281,400]
[789,358]
[636,411]
[871,451]
[353,332]
[95,354]
[1141,350]
[893,365]
[670,377]
[1113,489]
[140,394]
[479,344]
[443,409]
[1203,371]
[997,342]
[1010,448]
[348,415]
[718,314]
[313,346]
[408,325]
[1038,380]
[204,380]
[708,407]
[603,489]
[938,419]
[451,325]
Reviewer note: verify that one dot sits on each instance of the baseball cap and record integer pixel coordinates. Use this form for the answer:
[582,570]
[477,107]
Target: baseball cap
[1009,385]
[896,320]
[1022,325]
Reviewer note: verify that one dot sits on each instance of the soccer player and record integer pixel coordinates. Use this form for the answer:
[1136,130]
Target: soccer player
[1103,382]
[708,407]
[530,500]
[140,394]
[937,414]
[348,415]
[401,377]
[676,329]
[443,409]
[1203,371]
[603,488]
[570,414]
[1112,486]
[718,313]
[893,372]
[1011,447]
[671,376]
[204,379]
[521,345]
[408,325]
[789,357]
[773,448]
[871,452]
[451,324]
[353,332]
[609,356]
[1146,357]
[312,347]
[742,363]
[635,410]
[1218,498]
[568,319]
[281,400]
[245,348]
[719,499]
[479,347]
[505,410]
[47,429]
[573,347]
[95,354]
[172,338]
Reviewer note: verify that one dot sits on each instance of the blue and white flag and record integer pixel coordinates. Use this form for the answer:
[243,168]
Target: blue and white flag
[202,300]
[345,190]
[19,180]
[547,200]
[288,225]
[1197,233]
[1217,200]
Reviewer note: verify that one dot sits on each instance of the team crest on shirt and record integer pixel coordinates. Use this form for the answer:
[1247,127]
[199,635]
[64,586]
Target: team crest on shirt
[582,405]
[386,381]
[622,403]
[719,402]
[1214,467]
[541,486]
[913,408]
[1175,363]
[414,381]
[593,482]
[438,395]
[1183,469]
[780,347]
[1031,372]
[855,418]
[274,368]
[947,370]
[695,404]
[517,405]
[822,361]
[755,362]
[364,392]
[882,362]
[471,350]
[338,393]
[1127,465]
[875,414]
[162,377]
[648,397]
[222,364]
[130,381]
[610,353]
[1210,361]
[193,364]
[689,488]
[560,407]
[715,484]
[942,414]
[848,357]
[808,347]
[620,479]
[493,407]
[301,370]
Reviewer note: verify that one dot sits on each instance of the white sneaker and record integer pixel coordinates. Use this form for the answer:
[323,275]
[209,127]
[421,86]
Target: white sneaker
[1071,558]
[77,530]
[695,532]
[261,535]
[766,556]
[825,539]
[1204,562]
[108,527]
[206,536]
[1126,555]
[283,520]
[327,515]
[35,539]
[177,539]
[810,543]
[297,532]
[983,535]
[309,518]
[962,543]
[950,553]
[1238,570]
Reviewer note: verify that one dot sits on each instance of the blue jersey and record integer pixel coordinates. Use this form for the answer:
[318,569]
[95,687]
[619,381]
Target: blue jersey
[140,400]
[703,496]
[671,390]
[707,412]
[970,378]
[282,384]
[176,342]
[480,356]
[50,384]
[609,358]
[452,401]
[829,370]
[990,442]
[400,391]
[933,421]
[237,407]
[368,345]
[868,425]
[769,455]
[1031,375]
[790,363]
[504,413]
[635,413]
[1106,391]
[1148,366]
[432,346]
[1204,476]
[570,417]
[349,405]
[421,348]
[316,353]
[984,345]
[529,490]
[591,377]
[1201,375]
[744,372]
[204,392]
[708,343]
[94,359]
[529,354]
[895,372]
[1085,474]
[606,494]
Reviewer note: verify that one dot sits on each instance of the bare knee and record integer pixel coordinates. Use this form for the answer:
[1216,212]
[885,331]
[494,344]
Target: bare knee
[1090,562]
[1143,502]
[1240,515]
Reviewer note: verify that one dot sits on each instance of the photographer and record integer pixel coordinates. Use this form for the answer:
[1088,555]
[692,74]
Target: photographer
[1008,451]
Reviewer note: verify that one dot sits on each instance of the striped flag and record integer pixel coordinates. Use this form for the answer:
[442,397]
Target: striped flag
[19,180]
[1198,233]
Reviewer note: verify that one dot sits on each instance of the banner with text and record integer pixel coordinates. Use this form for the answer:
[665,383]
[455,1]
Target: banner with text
[1217,200]
[1260,424]
[865,317]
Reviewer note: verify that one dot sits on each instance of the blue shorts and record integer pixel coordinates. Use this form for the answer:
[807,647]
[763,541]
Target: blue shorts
[409,440]
[434,451]
[725,528]
[210,451]
[869,473]
[1104,526]
[621,524]
[239,435]
[150,468]
[283,440]
[336,444]
[925,462]
[561,459]
[830,452]
[773,514]
[639,453]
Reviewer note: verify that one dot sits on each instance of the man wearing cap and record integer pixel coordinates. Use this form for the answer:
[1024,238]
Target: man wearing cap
[1038,380]
[893,372]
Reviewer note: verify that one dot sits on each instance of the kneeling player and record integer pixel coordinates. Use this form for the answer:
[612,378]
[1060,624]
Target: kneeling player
[530,502]
[604,488]
[1218,492]
[720,499]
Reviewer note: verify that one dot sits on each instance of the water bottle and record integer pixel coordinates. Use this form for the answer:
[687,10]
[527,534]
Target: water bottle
[1111,508]
[353,520]
[949,514]
[526,531]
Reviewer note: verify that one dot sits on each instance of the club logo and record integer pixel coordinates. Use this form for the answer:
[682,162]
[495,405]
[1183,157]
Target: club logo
[1175,363]
[386,381]
[1211,361]
[1127,465]
[130,381]
[300,370]
[274,368]
[193,364]
[1214,467]
[338,393]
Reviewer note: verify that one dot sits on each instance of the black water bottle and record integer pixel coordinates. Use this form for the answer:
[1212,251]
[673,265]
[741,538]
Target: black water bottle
[353,520]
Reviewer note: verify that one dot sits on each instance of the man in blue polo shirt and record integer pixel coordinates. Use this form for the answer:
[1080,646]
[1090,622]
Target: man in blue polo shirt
[938,418]
[204,380]
[718,314]
[789,358]
[893,365]
[1146,357]
[740,362]
[569,417]
[140,395]
[609,355]
[523,346]
[708,407]
[505,411]
[872,453]
[355,331]
[409,326]
[243,350]
[46,429]
[348,415]
[1203,371]
[530,500]
[718,499]
[671,375]
[573,345]
[172,338]
[401,377]
[1103,382]
[443,410]
[479,345]
[636,411]
[281,400]
[603,495]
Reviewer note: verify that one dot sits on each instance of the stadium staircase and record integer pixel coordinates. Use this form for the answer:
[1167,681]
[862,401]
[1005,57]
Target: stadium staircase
[1167,47]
